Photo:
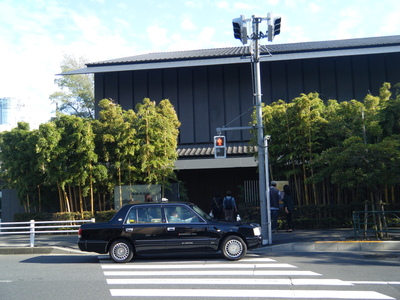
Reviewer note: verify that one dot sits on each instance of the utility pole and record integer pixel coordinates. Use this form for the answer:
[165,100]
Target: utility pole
[264,196]
[240,32]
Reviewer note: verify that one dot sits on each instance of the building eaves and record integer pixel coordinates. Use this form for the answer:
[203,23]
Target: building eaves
[207,150]
[264,49]
[178,55]
[234,55]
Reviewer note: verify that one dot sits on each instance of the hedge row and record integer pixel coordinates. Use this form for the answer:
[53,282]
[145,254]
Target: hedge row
[313,216]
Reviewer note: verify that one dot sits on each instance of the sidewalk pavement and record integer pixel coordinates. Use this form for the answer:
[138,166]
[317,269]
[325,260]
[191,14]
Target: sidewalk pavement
[329,240]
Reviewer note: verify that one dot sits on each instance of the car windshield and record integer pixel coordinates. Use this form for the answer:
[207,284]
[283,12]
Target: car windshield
[201,213]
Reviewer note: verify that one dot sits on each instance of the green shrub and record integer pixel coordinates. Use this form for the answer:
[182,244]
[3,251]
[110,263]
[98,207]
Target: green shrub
[60,216]
[104,216]
[249,213]
[306,217]
[39,216]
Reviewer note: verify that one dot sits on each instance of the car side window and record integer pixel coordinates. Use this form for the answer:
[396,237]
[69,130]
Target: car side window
[144,215]
[180,214]
[131,217]
[154,214]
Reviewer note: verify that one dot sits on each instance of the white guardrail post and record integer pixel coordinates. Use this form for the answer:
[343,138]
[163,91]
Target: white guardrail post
[32,233]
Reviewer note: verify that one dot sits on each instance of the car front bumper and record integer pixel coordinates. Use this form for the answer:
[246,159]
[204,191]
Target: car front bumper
[254,242]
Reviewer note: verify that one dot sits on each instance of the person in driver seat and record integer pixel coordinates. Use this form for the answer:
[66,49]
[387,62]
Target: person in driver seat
[174,218]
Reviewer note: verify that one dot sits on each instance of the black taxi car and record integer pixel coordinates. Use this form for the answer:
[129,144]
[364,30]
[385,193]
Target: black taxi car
[151,228]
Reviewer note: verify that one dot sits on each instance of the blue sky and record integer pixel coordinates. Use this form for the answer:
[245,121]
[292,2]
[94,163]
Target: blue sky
[35,34]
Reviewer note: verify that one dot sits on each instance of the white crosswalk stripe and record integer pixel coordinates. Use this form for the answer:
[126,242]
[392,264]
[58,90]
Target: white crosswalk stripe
[252,277]
[264,294]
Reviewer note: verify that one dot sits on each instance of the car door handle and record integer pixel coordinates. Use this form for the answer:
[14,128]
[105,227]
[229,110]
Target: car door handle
[170,228]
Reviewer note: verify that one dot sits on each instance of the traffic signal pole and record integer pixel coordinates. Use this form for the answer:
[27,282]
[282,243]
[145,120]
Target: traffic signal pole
[263,168]
[240,32]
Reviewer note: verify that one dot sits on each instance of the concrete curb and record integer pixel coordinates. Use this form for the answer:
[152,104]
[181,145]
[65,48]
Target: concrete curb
[315,246]
[333,246]
[38,250]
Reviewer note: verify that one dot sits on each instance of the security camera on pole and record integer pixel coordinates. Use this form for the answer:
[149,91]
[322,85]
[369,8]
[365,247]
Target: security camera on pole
[240,32]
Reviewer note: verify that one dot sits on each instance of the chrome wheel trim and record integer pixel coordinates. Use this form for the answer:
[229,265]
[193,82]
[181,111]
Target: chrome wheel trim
[234,248]
[121,251]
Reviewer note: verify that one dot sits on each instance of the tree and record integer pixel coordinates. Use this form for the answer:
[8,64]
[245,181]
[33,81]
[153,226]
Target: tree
[357,165]
[296,137]
[116,144]
[79,156]
[157,130]
[389,116]
[66,154]
[76,95]
[19,163]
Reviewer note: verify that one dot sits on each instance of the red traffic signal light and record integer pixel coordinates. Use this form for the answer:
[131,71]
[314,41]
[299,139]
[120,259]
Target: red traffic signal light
[220,141]
[219,146]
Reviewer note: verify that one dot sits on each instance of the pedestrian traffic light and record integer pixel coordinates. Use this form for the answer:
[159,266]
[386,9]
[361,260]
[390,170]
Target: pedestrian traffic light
[219,146]
[240,29]
[274,27]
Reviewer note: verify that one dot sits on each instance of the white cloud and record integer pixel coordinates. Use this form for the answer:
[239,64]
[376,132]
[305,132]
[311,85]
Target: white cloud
[241,5]
[391,24]
[273,2]
[187,23]
[207,34]
[193,4]
[314,8]
[222,4]
[349,20]
[157,35]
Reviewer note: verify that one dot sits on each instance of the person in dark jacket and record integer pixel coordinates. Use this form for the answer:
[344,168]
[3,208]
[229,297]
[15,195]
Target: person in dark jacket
[288,206]
[274,205]
[216,206]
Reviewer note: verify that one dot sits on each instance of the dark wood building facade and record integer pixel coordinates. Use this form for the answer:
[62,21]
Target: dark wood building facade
[214,88]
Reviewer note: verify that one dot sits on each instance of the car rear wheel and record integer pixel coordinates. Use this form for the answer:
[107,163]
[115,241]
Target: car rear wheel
[121,251]
[233,248]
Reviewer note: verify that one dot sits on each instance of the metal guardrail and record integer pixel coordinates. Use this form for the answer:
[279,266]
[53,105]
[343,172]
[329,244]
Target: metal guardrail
[365,222]
[36,227]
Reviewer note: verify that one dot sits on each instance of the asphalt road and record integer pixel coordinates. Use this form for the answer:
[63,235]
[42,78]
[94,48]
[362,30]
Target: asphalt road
[275,275]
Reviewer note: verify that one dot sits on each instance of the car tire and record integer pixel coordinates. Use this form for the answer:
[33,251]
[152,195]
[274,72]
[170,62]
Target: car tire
[121,251]
[233,248]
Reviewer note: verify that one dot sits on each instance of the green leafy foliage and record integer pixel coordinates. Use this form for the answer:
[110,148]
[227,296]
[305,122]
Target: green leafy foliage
[335,153]
[83,159]
[76,94]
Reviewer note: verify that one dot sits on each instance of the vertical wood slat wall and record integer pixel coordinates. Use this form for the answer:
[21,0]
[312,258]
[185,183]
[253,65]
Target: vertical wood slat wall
[208,97]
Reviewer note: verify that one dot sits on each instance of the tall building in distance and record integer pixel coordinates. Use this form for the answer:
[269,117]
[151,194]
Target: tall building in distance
[12,111]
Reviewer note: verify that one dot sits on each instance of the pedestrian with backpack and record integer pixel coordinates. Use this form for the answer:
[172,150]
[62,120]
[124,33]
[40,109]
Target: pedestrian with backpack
[229,205]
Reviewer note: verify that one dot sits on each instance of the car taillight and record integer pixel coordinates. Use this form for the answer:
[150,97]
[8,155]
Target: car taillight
[80,233]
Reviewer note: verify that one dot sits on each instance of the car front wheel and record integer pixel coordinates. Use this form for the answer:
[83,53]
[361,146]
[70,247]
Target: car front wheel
[233,248]
[121,251]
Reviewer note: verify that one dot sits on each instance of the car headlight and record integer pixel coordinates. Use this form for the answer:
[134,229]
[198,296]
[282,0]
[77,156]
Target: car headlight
[257,231]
